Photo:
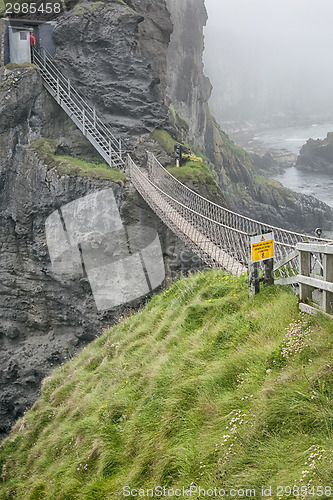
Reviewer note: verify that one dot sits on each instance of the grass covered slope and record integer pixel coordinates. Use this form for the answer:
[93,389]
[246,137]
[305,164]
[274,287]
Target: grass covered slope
[200,388]
[74,167]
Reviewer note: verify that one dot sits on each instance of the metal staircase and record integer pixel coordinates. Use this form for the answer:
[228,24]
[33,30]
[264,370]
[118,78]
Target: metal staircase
[74,105]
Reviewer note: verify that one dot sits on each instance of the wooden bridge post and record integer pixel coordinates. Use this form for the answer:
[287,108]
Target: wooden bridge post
[254,284]
[328,276]
[269,273]
[305,291]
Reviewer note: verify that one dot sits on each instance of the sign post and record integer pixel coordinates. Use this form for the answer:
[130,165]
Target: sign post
[261,248]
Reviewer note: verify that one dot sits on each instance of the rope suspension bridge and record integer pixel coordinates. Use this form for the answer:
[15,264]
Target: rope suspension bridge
[217,235]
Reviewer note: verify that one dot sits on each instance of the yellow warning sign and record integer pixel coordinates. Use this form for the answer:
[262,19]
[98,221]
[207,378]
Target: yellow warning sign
[262,247]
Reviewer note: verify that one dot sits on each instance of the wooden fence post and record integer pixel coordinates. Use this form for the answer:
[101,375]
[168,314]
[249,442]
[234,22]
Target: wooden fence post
[305,291]
[254,286]
[328,276]
[269,273]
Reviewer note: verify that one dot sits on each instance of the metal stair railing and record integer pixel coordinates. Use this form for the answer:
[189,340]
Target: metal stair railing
[75,106]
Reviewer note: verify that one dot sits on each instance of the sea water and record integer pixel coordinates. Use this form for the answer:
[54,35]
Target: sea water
[291,139]
[310,183]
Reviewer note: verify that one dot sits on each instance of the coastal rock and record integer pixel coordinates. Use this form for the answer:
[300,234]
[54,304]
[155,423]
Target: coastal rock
[266,164]
[317,155]
[188,88]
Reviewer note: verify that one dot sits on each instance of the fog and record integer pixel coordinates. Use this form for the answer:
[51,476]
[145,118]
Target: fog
[270,61]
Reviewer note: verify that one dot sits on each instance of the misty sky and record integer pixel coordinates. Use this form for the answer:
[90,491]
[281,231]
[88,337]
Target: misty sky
[270,56]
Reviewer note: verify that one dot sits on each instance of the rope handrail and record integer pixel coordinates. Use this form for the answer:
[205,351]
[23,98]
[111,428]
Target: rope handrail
[181,204]
[205,237]
[220,224]
[216,239]
[226,210]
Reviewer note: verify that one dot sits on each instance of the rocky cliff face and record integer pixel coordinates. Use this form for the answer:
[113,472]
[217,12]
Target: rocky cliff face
[139,63]
[115,55]
[188,89]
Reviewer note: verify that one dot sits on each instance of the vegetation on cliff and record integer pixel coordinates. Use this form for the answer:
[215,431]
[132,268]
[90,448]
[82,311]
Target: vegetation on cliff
[194,172]
[202,387]
[74,167]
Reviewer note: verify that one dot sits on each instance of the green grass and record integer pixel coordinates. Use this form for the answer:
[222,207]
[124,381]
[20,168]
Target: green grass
[229,144]
[18,66]
[178,121]
[192,389]
[195,174]
[194,171]
[89,9]
[74,167]
[164,139]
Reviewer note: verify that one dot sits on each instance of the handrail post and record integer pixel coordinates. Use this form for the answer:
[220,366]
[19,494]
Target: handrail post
[110,154]
[120,148]
[94,117]
[69,87]
[58,91]
[149,166]
[83,122]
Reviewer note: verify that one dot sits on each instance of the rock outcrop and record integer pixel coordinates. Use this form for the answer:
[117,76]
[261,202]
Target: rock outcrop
[188,88]
[189,91]
[140,64]
[115,55]
[317,155]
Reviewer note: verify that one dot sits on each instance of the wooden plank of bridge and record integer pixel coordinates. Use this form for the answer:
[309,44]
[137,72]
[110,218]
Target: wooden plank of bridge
[205,244]
[201,241]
